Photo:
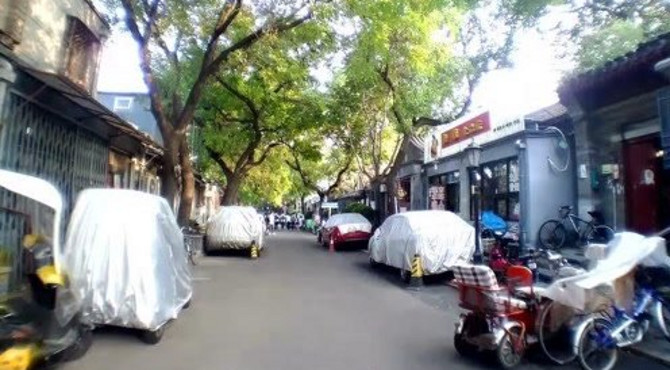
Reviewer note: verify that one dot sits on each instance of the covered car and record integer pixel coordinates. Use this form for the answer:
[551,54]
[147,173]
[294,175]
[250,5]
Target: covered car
[345,228]
[441,238]
[126,260]
[234,227]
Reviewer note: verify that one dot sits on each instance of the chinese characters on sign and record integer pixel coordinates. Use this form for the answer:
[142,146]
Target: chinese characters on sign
[466,130]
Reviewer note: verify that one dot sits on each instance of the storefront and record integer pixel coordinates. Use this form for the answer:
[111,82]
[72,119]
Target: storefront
[521,162]
[622,123]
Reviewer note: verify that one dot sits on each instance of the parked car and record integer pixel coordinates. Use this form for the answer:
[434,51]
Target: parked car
[440,238]
[127,262]
[235,227]
[345,228]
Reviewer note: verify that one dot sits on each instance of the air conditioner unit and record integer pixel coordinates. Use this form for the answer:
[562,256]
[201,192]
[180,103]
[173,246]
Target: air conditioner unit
[12,19]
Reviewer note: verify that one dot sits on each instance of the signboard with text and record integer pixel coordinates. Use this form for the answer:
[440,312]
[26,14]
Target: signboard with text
[466,130]
[482,127]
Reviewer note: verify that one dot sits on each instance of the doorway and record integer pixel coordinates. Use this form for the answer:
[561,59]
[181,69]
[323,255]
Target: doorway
[646,185]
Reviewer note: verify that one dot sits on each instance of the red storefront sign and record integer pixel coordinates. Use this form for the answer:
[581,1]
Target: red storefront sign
[466,130]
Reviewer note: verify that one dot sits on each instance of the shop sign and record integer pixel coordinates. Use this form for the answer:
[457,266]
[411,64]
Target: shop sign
[466,130]
[481,129]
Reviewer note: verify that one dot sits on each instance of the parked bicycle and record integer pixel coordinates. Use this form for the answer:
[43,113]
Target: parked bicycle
[193,241]
[554,234]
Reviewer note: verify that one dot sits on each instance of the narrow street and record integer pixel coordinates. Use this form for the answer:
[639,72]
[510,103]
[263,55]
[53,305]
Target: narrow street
[299,307]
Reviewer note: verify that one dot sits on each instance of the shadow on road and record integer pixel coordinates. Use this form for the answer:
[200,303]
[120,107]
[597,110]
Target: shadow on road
[239,253]
[392,275]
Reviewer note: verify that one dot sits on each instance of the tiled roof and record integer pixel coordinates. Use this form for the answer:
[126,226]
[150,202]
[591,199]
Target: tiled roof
[547,113]
[643,57]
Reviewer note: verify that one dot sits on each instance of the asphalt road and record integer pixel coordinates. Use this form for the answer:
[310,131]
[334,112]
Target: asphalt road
[299,307]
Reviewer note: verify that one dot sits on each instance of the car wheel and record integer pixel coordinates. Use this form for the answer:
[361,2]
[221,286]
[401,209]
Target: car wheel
[153,337]
[405,276]
[79,348]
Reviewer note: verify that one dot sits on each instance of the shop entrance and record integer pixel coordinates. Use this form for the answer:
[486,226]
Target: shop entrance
[647,185]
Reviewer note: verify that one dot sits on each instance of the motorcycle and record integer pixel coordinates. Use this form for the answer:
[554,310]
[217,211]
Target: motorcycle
[506,250]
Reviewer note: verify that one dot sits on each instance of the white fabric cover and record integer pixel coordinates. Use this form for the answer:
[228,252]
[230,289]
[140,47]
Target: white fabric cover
[234,227]
[349,222]
[126,261]
[442,238]
[626,251]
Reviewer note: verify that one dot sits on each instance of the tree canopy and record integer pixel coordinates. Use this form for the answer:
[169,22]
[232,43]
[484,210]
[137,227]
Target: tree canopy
[249,76]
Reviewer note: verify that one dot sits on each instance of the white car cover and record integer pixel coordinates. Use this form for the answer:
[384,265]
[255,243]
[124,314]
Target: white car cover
[234,227]
[349,222]
[125,257]
[441,238]
[626,251]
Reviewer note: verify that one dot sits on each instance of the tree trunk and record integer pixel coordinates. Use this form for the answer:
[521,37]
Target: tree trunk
[391,177]
[188,185]
[169,184]
[233,184]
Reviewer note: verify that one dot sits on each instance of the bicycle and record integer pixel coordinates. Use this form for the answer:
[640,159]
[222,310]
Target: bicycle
[193,244]
[553,234]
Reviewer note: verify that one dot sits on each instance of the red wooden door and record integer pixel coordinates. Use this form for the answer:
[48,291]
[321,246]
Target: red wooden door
[643,181]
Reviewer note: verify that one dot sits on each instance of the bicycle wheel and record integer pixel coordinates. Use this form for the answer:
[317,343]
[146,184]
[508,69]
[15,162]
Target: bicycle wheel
[193,257]
[595,348]
[555,332]
[600,234]
[552,235]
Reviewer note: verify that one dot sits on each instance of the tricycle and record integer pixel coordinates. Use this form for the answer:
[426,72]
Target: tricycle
[39,322]
[503,321]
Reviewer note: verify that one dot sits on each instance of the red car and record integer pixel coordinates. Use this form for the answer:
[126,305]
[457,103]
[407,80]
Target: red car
[344,228]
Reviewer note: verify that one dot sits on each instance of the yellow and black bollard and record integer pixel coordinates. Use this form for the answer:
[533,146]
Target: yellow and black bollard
[254,251]
[416,278]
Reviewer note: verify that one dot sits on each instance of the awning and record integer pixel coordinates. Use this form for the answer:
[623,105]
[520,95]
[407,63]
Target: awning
[79,96]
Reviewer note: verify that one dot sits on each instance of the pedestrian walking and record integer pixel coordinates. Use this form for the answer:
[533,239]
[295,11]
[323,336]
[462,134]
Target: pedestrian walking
[271,221]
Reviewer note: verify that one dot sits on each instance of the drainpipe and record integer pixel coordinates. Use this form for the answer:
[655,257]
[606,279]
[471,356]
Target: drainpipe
[524,188]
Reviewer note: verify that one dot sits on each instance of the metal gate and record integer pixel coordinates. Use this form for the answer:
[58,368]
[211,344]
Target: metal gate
[37,142]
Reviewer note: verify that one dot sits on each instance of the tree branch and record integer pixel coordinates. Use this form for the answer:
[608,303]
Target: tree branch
[305,180]
[226,17]
[264,155]
[339,176]
[210,69]
[145,65]
[217,158]
[245,99]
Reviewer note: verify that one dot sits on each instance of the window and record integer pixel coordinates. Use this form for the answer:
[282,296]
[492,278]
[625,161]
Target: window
[444,192]
[500,188]
[122,103]
[500,192]
[453,196]
[81,54]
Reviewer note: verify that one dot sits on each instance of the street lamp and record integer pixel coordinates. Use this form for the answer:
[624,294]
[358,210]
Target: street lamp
[473,153]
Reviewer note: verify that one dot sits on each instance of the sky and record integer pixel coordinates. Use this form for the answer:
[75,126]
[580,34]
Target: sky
[530,85]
